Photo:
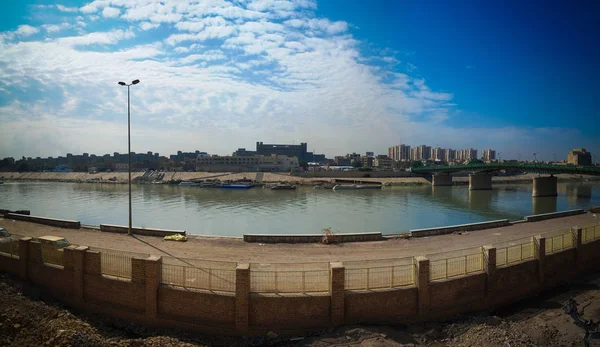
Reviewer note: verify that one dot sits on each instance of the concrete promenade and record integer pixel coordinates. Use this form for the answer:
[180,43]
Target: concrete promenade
[236,250]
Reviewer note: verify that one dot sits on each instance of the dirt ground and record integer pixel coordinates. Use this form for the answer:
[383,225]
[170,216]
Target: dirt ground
[26,320]
[236,250]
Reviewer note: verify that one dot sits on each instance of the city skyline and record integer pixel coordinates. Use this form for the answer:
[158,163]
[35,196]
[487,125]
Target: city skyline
[342,76]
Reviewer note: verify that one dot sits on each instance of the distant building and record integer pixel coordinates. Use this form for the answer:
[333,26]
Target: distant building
[579,156]
[383,162]
[366,161]
[424,152]
[399,153]
[450,155]
[246,163]
[415,155]
[438,154]
[370,154]
[242,152]
[489,155]
[298,151]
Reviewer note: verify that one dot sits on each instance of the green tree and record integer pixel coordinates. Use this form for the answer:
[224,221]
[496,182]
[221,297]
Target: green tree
[416,163]
[356,163]
[475,161]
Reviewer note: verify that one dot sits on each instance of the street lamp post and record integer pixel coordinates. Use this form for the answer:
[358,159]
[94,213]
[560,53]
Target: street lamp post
[134,82]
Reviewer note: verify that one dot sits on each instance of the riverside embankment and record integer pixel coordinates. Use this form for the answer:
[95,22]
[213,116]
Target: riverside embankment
[266,177]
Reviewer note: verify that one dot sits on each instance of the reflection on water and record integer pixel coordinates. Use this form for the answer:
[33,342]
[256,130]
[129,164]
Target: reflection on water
[544,204]
[305,210]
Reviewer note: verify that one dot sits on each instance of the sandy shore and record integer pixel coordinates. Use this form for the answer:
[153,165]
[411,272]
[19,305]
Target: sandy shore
[236,250]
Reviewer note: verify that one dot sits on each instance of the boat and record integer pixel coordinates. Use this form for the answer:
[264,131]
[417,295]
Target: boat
[283,187]
[235,186]
[209,185]
[189,184]
[356,186]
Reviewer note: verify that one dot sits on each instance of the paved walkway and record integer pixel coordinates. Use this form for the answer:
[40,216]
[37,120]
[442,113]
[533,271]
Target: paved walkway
[234,249]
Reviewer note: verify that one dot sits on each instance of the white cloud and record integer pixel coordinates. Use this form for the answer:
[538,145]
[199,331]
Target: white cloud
[148,25]
[107,38]
[26,30]
[267,70]
[55,28]
[62,8]
[111,12]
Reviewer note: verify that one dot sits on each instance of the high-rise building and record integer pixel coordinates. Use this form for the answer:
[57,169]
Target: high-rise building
[438,154]
[579,156]
[424,152]
[489,155]
[415,154]
[399,153]
[450,155]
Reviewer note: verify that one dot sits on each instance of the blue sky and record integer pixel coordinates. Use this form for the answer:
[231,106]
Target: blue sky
[344,76]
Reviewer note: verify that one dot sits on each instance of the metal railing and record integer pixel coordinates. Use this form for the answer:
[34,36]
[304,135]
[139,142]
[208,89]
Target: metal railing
[10,248]
[290,278]
[379,274]
[199,274]
[117,263]
[558,240]
[590,233]
[514,252]
[456,263]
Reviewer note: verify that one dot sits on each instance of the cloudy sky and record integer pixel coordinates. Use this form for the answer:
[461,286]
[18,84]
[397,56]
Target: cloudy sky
[343,76]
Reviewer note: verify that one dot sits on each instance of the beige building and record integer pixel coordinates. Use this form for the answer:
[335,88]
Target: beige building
[579,156]
[399,153]
[383,162]
[246,163]
[489,155]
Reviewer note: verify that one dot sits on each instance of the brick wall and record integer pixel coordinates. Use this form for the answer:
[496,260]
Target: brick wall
[271,311]
[144,301]
[202,307]
[115,293]
[515,282]
[457,295]
[389,306]
[559,267]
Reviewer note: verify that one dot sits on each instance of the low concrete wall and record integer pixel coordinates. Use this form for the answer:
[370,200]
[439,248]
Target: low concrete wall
[4,212]
[61,223]
[311,238]
[559,267]
[353,174]
[455,228]
[544,216]
[110,228]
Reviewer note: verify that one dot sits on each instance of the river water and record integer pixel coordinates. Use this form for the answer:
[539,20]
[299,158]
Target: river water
[305,210]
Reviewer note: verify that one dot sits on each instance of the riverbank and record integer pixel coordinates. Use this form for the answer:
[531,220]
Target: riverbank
[236,250]
[260,177]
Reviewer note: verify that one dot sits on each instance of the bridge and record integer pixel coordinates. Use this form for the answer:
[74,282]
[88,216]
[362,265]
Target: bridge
[481,178]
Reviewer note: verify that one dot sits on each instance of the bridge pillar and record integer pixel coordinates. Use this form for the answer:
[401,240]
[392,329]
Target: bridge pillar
[480,182]
[441,180]
[544,186]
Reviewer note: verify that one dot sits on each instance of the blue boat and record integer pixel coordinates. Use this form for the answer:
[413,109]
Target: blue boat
[235,186]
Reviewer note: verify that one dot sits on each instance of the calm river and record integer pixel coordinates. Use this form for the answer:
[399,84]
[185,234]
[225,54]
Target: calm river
[305,210]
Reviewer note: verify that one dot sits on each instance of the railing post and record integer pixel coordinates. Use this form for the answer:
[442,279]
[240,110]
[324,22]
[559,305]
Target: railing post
[490,268]
[78,258]
[577,244]
[153,272]
[422,282]
[336,290]
[23,257]
[540,253]
[242,297]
